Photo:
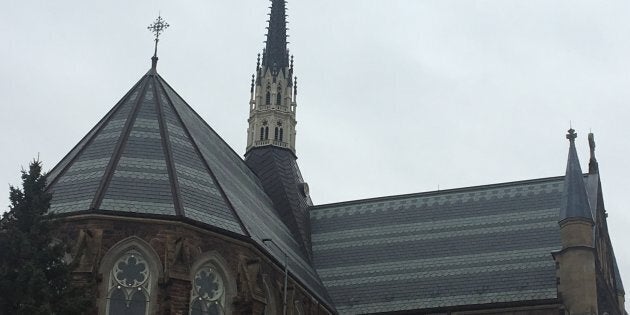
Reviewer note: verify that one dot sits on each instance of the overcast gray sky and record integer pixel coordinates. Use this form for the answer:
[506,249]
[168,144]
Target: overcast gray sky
[395,96]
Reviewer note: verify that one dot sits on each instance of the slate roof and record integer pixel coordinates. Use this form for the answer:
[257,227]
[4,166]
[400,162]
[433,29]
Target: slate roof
[281,178]
[153,155]
[470,246]
[276,55]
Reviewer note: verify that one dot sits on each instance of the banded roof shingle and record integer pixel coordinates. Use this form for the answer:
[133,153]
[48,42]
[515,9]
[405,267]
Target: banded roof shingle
[442,249]
[152,154]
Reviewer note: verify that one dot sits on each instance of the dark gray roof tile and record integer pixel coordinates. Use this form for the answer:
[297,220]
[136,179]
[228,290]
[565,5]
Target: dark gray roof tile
[441,249]
[154,155]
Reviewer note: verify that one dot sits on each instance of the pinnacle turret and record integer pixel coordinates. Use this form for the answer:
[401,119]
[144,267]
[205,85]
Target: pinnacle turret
[575,203]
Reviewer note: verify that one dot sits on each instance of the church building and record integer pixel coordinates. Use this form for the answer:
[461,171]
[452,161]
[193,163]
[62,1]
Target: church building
[166,218]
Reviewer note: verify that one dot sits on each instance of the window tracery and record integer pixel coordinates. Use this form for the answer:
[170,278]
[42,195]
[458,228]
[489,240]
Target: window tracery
[208,292]
[129,287]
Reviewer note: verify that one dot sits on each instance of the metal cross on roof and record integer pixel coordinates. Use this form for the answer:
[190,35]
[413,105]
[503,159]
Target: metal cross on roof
[157,28]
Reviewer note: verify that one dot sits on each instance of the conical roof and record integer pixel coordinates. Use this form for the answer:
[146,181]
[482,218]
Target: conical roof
[141,158]
[152,155]
[276,55]
[575,202]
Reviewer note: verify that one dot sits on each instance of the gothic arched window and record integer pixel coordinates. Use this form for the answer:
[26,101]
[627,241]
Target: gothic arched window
[208,291]
[275,136]
[266,133]
[281,132]
[129,285]
[262,133]
[279,98]
[268,98]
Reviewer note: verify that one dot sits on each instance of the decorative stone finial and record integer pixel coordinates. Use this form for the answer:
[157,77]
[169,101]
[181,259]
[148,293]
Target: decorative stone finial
[593,166]
[157,28]
[571,135]
[258,62]
[591,144]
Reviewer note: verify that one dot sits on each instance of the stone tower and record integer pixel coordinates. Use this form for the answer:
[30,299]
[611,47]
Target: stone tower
[272,103]
[576,261]
[271,134]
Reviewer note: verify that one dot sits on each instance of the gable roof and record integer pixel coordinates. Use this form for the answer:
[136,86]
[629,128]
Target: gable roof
[444,249]
[153,155]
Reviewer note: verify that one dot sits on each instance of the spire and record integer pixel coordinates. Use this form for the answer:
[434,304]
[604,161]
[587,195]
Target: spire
[275,55]
[157,27]
[575,203]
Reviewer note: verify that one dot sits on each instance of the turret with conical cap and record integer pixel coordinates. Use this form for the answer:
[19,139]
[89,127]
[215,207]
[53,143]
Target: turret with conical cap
[576,274]
[575,204]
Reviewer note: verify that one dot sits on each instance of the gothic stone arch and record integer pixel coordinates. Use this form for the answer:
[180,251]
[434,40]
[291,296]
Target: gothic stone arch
[123,252]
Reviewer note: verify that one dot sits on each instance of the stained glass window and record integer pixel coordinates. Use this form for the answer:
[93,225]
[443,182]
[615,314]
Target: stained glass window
[208,292]
[129,285]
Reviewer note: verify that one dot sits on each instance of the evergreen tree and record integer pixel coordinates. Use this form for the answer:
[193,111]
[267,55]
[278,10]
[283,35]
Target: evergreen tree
[34,279]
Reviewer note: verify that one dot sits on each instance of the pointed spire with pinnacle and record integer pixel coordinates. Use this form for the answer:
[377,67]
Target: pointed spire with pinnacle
[272,106]
[575,203]
[276,55]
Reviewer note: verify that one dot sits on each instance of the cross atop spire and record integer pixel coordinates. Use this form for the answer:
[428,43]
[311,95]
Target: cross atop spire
[276,55]
[157,28]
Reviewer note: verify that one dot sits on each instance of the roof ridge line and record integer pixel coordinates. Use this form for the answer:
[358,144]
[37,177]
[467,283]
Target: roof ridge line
[168,153]
[201,157]
[96,129]
[438,192]
[118,149]
[251,174]
[276,167]
[280,167]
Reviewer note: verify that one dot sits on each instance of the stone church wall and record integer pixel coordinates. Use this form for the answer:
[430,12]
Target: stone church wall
[175,251]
